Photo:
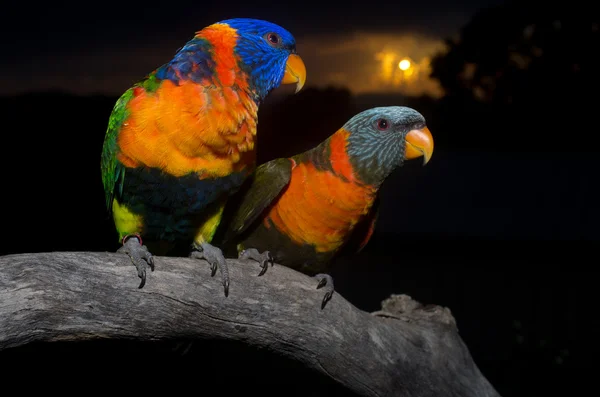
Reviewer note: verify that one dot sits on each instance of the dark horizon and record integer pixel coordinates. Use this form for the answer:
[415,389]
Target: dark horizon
[499,226]
[63,46]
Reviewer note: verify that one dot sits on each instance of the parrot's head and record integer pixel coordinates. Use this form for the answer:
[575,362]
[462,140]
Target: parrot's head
[381,138]
[268,55]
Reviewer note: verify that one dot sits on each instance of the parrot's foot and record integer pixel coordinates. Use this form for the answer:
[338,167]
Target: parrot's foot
[214,256]
[139,254]
[326,281]
[264,259]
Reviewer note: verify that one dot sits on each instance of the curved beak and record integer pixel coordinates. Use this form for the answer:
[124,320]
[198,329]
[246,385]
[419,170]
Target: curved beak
[419,143]
[295,72]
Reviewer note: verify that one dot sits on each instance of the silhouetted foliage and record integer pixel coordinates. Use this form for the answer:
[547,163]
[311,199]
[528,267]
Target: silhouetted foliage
[521,51]
[532,63]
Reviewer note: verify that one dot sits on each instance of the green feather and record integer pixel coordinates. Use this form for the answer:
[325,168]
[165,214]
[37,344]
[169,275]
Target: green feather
[151,83]
[113,171]
[266,184]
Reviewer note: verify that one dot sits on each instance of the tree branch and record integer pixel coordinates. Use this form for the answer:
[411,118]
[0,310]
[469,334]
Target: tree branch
[406,349]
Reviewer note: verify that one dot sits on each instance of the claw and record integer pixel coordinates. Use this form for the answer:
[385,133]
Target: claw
[139,255]
[264,259]
[325,280]
[326,298]
[263,269]
[143,277]
[322,283]
[214,256]
[226,286]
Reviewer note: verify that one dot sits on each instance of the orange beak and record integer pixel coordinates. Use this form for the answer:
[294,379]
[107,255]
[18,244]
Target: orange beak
[419,143]
[295,72]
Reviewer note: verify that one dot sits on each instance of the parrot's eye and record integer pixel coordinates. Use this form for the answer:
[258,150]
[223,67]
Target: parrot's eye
[383,124]
[273,38]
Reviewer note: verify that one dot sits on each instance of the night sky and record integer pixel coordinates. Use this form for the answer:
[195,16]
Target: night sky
[498,226]
[103,49]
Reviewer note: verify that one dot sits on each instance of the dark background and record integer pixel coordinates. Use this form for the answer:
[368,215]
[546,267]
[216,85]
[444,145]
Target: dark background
[500,226]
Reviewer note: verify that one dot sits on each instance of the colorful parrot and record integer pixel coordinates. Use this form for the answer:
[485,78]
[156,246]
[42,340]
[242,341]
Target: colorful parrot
[181,140]
[303,210]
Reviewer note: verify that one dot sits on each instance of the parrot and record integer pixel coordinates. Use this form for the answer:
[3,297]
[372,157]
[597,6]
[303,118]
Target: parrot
[304,211]
[181,140]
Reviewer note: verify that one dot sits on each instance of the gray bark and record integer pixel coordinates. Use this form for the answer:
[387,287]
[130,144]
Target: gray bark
[406,349]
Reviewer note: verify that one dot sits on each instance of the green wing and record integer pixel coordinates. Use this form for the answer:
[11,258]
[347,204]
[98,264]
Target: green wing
[265,185]
[113,171]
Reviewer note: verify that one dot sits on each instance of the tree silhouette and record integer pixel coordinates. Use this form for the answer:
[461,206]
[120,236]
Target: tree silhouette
[532,63]
[521,51]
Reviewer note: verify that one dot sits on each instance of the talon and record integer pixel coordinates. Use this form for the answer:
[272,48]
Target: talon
[326,299]
[139,255]
[151,263]
[263,259]
[264,266]
[325,280]
[322,283]
[226,287]
[143,282]
[214,256]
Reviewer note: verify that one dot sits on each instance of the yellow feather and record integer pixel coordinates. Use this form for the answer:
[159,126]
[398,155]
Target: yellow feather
[126,221]
[206,232]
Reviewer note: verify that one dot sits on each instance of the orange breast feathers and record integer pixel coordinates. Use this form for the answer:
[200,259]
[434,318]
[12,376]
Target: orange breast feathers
[320,207]
[207,127]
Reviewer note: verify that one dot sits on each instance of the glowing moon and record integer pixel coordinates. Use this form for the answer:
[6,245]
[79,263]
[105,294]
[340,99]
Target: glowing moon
[404,64]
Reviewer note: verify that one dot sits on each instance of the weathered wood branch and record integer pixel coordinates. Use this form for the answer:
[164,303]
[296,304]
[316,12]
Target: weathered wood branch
[406,349]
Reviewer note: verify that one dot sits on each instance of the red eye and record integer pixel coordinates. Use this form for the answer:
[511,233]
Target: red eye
[273,38]
[383,124]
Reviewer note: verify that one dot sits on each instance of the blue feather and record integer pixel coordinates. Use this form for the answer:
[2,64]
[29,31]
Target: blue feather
[265,64]
[198,52]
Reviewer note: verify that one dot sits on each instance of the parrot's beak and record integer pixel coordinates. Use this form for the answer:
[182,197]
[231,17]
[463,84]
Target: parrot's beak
[419,143]
[295,72]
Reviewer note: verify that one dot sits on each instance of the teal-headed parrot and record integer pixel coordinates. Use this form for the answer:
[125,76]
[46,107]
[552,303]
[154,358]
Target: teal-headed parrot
[302,210]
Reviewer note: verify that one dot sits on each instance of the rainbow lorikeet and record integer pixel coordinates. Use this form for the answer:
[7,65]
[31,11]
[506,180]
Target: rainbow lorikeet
[301,211]
[181,140]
